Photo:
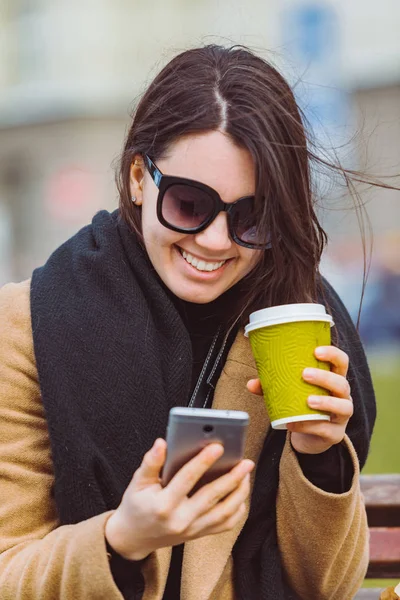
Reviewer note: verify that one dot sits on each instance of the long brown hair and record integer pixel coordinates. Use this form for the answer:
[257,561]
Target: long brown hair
[237,92]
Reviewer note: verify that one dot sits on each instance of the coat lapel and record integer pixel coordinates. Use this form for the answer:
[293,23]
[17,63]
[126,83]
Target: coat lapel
[155,572]
[205,559]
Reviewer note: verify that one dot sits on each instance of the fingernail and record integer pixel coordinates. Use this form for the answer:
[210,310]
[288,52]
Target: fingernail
[308,373]
[156,448]
[321,352]
[314,401]
[217,450]
[249,466]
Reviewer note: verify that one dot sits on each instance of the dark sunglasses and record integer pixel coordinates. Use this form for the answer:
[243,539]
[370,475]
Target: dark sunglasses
[189,206]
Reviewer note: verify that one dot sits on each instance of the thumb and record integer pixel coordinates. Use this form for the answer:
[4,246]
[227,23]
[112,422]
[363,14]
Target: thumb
[149,471]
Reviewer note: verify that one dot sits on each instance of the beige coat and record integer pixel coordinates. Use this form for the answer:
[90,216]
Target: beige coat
[323,537]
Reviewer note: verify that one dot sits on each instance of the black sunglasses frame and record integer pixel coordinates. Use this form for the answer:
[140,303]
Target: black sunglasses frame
[163,182]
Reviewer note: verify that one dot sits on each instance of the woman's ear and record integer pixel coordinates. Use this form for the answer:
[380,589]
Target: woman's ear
[136,179]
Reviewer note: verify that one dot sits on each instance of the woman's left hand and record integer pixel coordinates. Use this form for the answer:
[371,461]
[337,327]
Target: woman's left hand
[314,437]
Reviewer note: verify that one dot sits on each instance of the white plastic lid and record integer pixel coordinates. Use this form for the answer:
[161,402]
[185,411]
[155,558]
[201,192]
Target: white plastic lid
[287,313]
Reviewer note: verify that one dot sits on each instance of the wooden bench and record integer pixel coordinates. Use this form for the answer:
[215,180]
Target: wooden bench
[382,500]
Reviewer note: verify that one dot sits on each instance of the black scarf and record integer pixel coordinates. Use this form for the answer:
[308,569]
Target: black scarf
[113,357]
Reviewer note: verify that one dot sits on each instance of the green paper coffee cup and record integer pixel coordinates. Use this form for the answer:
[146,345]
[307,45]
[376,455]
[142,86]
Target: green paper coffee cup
[283,340]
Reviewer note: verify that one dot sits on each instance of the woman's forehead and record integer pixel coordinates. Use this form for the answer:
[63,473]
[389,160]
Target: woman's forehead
[214,159]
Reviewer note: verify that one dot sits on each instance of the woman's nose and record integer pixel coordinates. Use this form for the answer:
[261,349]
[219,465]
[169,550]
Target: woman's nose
[216,236]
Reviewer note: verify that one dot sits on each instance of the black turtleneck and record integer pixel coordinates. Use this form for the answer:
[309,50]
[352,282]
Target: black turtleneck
[202,322]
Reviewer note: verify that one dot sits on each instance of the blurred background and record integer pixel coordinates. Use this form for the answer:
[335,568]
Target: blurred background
[71,71]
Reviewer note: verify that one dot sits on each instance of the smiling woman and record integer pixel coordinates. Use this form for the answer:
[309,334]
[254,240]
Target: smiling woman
[143,310]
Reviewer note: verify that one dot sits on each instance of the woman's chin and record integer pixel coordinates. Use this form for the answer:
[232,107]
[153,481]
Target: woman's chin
[195,296]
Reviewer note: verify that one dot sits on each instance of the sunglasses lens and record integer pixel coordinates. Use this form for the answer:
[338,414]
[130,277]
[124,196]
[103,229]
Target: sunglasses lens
[246,225]
[186,207]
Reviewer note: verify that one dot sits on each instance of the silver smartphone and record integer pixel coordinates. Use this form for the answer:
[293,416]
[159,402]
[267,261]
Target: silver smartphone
[191,429]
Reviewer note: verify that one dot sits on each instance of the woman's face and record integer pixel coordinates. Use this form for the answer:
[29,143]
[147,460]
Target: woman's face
[215,160]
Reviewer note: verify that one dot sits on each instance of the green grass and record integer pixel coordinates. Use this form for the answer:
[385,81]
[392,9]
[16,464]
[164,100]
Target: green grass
[384,455]
[380,583]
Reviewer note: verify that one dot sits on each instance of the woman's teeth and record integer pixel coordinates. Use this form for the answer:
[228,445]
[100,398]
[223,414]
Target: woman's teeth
[201,265]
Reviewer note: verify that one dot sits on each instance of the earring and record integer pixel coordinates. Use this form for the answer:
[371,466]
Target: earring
[134,199]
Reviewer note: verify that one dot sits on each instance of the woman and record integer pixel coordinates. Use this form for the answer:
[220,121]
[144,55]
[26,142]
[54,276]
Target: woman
[114,330]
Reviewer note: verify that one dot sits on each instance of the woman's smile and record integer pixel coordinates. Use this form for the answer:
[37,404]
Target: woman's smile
[206,269]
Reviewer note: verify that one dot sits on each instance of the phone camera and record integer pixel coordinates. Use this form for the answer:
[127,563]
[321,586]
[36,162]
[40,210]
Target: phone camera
[208,428]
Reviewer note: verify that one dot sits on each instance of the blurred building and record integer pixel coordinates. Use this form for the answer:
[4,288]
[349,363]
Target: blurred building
[70,72]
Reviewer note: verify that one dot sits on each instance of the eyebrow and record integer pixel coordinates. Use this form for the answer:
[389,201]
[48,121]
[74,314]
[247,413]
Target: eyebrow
[156,174]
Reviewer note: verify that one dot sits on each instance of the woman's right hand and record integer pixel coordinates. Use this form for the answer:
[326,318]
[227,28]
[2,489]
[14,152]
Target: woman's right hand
[151,517]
